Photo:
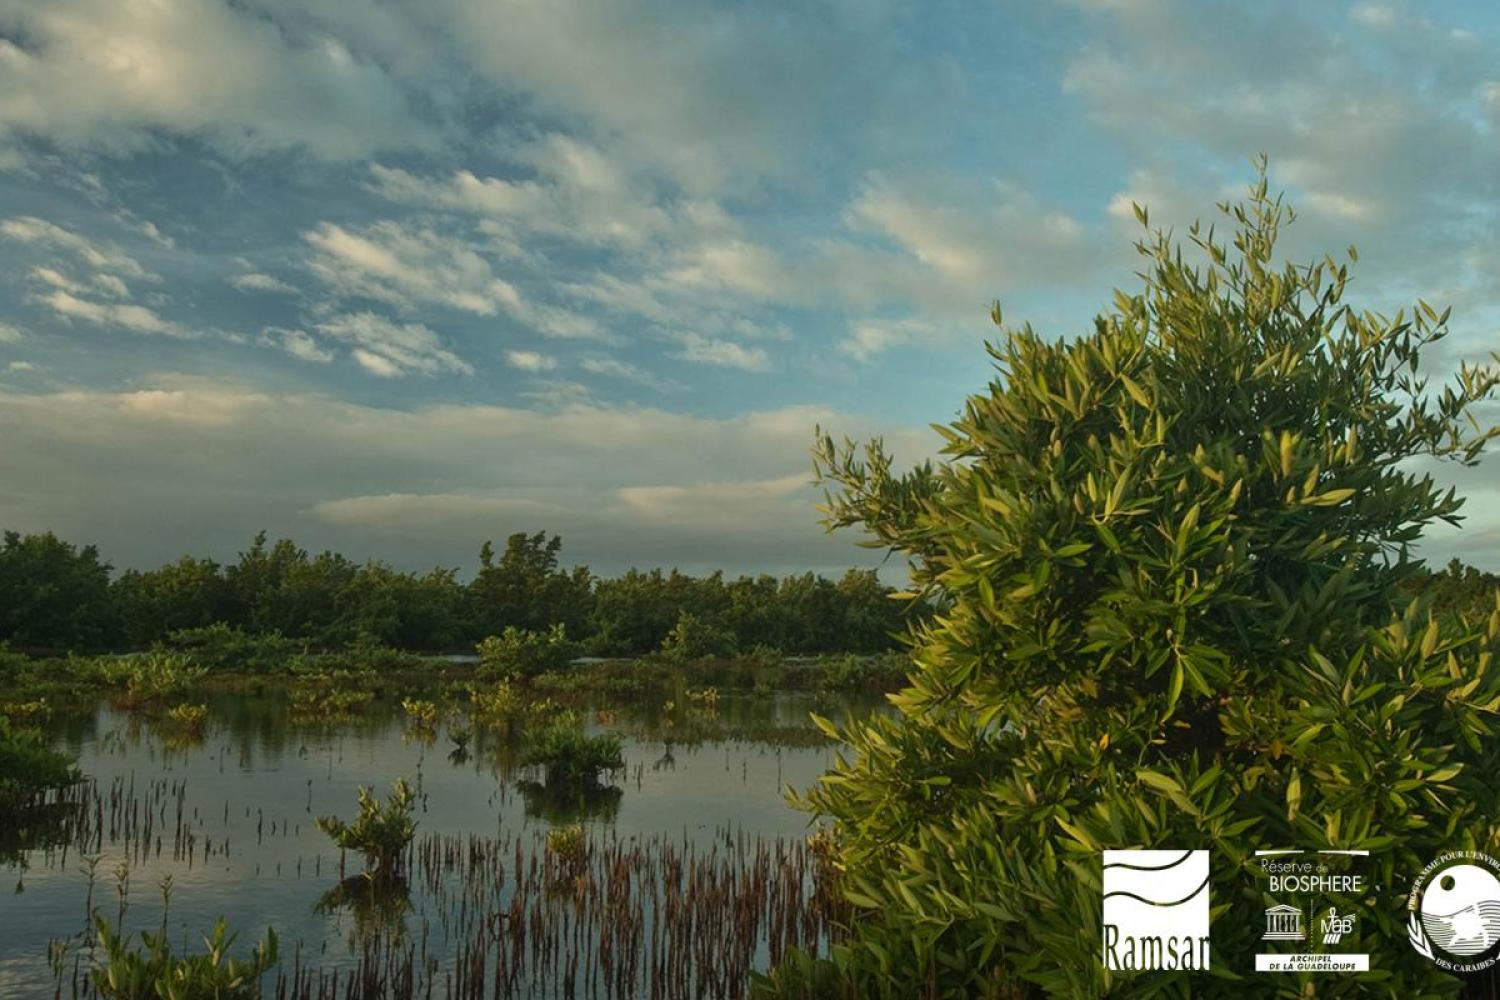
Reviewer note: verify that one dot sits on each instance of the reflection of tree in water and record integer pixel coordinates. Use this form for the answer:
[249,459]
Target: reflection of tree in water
[570,804]
[378,907]
[41,826]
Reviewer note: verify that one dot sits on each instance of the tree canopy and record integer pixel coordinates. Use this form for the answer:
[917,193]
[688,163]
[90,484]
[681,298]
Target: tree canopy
[1172,564]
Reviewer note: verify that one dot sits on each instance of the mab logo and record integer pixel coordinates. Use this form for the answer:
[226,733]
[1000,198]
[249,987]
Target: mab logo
[1156,910]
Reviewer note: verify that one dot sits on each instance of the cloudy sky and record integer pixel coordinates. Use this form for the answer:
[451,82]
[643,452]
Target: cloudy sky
[396,278]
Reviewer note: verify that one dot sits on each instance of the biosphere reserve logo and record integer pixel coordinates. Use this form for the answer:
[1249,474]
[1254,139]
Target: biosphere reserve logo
[1454,910]
[1156,910]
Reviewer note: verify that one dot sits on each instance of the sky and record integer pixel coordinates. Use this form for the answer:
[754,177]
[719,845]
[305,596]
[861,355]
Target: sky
[395,278]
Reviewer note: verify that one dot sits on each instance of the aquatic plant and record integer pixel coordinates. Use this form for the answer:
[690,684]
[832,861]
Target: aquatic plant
[153,678]
[567,854]
[569,756]
[29,767]
[26,711]
[420,713]
[225,647]
[381,831]
[853,672]
[520,652]
[331,694]
[155,973]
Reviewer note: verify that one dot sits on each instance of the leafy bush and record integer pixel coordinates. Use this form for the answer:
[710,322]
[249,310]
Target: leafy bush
[569,756]
[224,647]
[851,672]
[524,653]
[1168,557]
[694,638]
[29,768]
[381,831]
[507,706]
[567,856]
[157,974]
[330,694]
[154,678]
[420,713]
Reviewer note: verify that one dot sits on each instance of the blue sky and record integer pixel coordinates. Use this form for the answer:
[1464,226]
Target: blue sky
[396,278]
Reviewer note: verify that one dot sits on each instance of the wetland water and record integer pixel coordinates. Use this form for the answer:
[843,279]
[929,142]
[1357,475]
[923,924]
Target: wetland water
[687,830]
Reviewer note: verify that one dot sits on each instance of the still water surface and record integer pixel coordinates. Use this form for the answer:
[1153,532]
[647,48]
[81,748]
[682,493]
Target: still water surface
[251,789]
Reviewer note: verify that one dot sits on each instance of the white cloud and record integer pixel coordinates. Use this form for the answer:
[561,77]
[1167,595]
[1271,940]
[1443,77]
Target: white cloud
[298,344]
[578,194]
[149,230]
[976,240]
[737,266]
[530,361]
[723,353]
[354,477]
[390,349]
[20,366]
[136,318]
[870,337]
[30,229]
[255,281]
[105,75]
[110,285]
[1374,15]
[616,368]
[407,267]
[412,267]
[714,96]
[10,333]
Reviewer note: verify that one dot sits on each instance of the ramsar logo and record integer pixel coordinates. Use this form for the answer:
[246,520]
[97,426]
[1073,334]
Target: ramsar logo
[1155,910]
[1454,911]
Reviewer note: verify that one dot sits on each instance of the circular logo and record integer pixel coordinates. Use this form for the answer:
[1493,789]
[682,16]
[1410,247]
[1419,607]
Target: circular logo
[1454,910]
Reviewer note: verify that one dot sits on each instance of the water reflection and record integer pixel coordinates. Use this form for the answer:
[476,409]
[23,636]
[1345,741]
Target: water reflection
[570,804]
[230,819]
[376,907]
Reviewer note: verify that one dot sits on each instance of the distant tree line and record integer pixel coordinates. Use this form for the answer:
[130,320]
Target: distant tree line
[55,596]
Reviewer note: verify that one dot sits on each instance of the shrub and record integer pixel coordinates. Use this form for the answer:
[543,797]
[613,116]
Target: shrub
[694,638]
[422,714]
[567,856]
[852,672]
[569,756]
[523,653]
[154,678]
[157,974]
[381,831]
[506,706]
[225,647]
[331,694]
[29,768]
[1168,558]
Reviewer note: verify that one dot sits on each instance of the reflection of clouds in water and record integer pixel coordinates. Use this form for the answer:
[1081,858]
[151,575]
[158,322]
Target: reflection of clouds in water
[256,785]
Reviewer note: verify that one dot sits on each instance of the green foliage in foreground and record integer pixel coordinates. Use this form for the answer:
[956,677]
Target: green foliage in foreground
[571,757]
[381,831]
[29,768]
[1169,559]
[154,973]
